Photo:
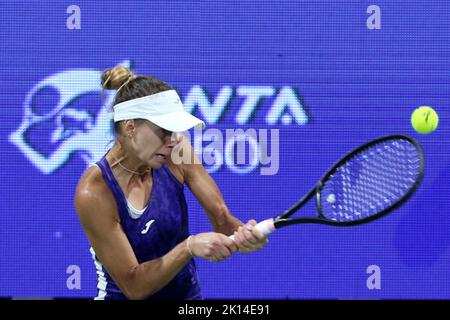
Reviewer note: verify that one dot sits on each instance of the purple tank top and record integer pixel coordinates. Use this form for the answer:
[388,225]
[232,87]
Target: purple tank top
[162,225]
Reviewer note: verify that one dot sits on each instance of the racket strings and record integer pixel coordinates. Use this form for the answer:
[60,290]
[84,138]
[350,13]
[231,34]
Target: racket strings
[371,181]
[374,187]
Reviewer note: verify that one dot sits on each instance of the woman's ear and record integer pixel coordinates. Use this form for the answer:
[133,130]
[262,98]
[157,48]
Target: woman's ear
[129,127]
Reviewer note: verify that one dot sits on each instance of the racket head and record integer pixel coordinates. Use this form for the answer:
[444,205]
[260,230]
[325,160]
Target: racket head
[412,154]
[370,181]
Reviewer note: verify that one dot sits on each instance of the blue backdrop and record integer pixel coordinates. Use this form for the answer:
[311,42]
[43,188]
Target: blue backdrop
[340,84]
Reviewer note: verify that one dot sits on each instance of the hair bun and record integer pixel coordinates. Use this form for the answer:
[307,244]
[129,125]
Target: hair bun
[115,77]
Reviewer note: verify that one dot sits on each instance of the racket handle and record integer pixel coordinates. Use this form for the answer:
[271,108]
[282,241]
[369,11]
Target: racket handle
[266,227]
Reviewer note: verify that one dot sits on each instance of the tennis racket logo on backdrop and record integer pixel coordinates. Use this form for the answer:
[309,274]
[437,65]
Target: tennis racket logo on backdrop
[56,124]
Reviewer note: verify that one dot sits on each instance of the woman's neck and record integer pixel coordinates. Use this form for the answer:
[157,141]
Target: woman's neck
[124,164]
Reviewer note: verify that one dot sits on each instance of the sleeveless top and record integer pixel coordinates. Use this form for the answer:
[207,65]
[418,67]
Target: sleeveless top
[152,233]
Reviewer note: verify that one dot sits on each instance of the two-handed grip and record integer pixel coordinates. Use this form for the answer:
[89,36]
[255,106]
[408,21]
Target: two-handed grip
[266,227]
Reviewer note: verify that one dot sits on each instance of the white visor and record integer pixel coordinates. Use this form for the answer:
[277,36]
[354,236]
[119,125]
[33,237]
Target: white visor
[163,109]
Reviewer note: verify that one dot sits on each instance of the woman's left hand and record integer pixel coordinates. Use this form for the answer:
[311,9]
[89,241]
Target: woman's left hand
[248,238]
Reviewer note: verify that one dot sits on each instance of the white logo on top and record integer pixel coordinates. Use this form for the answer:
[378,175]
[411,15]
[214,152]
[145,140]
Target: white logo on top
[147,226]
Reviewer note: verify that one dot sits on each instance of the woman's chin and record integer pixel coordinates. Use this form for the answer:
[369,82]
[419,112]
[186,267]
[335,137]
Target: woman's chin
[157,162]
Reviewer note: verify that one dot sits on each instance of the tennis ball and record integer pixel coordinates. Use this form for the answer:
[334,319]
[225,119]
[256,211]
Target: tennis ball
[424,120]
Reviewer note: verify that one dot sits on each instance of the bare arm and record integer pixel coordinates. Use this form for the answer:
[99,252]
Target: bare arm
[207,193]
[247,238]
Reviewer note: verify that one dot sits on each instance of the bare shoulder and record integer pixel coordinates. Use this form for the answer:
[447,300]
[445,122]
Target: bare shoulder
[91,183]
[186,161]
[93,198]
[176,170]
[180,155]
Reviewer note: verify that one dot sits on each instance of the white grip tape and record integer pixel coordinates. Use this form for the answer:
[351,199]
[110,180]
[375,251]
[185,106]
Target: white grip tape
[266,227]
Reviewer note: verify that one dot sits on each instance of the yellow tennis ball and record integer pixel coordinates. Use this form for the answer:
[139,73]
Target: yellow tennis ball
[424,120]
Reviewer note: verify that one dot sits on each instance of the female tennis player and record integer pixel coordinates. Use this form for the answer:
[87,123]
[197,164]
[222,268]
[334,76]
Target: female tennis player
[132,207]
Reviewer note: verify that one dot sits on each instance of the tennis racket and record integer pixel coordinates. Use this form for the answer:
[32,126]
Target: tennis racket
[365,185]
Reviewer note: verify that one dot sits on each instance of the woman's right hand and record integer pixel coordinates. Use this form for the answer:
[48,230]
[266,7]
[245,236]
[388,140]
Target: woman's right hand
[212,246]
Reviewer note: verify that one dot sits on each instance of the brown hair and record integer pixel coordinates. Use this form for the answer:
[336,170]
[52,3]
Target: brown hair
[129,86]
